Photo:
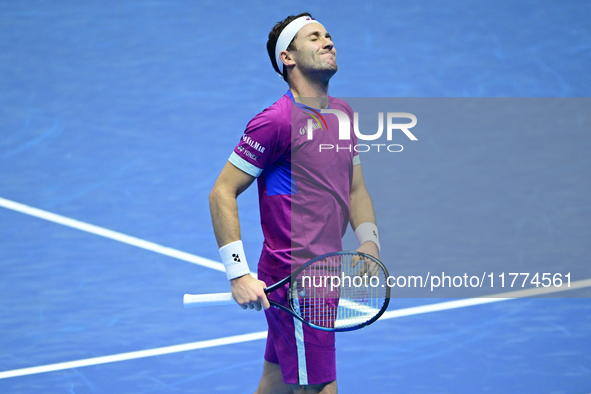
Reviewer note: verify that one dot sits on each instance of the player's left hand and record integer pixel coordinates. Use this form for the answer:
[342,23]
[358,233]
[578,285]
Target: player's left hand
[367,267]
[369,248]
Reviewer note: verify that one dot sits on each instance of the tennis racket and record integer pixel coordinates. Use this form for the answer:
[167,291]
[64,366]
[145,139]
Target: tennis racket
[339,291]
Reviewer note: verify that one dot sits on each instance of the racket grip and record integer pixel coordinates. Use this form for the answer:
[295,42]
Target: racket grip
[195,300]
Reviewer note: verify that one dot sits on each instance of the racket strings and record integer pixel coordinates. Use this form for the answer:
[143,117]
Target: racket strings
[339,291]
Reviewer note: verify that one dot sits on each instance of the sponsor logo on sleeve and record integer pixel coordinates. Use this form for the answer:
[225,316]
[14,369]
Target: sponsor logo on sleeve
[253,143]
[247,153]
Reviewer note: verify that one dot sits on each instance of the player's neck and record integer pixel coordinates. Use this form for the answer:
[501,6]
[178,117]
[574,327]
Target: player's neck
[310,93]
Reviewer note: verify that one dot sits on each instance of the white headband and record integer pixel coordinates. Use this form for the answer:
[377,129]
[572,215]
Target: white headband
[287,34]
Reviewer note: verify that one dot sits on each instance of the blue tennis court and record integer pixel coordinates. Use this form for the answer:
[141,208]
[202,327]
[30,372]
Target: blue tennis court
[118,116]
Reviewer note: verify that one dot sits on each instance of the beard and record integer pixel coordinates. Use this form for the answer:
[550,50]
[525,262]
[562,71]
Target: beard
[320,68]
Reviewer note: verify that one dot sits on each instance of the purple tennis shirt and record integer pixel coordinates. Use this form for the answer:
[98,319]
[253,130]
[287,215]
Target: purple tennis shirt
[304,180]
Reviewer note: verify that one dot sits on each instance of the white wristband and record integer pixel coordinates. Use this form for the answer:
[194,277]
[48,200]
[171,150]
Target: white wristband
[367,232]
[234,260]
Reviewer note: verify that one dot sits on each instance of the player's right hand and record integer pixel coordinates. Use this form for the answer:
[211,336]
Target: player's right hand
[249,292]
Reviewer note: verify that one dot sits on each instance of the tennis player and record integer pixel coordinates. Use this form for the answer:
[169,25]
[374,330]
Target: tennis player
[307,197]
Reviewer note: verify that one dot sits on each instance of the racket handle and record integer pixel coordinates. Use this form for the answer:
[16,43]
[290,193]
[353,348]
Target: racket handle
[194,300]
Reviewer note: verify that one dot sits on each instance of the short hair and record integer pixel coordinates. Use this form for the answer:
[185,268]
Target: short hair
[274,36]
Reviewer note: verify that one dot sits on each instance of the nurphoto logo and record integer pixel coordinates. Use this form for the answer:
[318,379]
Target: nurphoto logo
[345,129]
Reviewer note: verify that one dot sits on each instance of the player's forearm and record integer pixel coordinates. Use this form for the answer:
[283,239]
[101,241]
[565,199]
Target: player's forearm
[361,208]
[224,216]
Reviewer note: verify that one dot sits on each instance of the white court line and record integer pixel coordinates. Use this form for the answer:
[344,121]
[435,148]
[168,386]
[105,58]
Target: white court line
[103,232]
[261,335]
[134,355]
[442,306]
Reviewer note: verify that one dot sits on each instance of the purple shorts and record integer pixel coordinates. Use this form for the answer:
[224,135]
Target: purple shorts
[306,355]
